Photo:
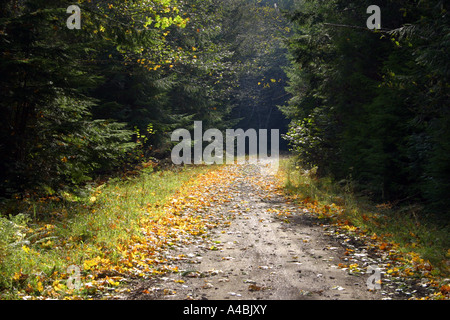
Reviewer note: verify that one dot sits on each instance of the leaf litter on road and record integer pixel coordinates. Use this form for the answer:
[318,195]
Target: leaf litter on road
[192,213]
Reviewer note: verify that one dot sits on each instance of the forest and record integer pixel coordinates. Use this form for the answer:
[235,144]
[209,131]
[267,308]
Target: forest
[373,106]
[80,103]
[360,106]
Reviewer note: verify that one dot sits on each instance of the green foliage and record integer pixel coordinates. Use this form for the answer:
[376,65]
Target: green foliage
[306,139]
[259,36]
[422,234]
[79,103]
[12,232]
[54,233]
[72,98]
[373,104]
[48,135]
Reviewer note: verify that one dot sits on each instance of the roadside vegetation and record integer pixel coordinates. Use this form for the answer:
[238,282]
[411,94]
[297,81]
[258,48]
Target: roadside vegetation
[419,242]
[100,230]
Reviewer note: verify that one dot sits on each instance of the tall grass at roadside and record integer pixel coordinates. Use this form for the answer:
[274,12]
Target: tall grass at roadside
[406,225]
[41,238]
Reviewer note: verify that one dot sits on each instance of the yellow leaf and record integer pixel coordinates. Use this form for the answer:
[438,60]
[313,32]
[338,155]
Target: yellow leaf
[40,287]
[89,264]
[17,276]
[26,249]
[113,283]
[57,285]
[47,244]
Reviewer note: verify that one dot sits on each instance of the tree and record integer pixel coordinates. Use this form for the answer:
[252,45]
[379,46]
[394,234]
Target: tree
[373,104]
[260,33]
[49,137]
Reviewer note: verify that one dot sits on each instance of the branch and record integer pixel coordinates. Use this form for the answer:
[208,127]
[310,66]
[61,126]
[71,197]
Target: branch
[355,27]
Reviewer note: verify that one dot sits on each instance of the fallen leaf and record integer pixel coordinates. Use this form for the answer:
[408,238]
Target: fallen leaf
[254,287]
[339,288]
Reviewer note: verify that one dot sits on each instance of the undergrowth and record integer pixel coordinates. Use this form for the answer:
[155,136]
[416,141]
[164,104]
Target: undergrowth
[407,225]
[40,238]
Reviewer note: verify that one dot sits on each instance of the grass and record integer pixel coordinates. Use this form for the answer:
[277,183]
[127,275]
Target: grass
[406,226]
[41,238]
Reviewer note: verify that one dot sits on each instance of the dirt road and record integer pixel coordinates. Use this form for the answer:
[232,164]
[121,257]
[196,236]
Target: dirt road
[272,250]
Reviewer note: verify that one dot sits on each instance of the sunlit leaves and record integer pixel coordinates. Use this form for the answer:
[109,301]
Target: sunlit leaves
[109,244]
[353,225]
[137,28]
